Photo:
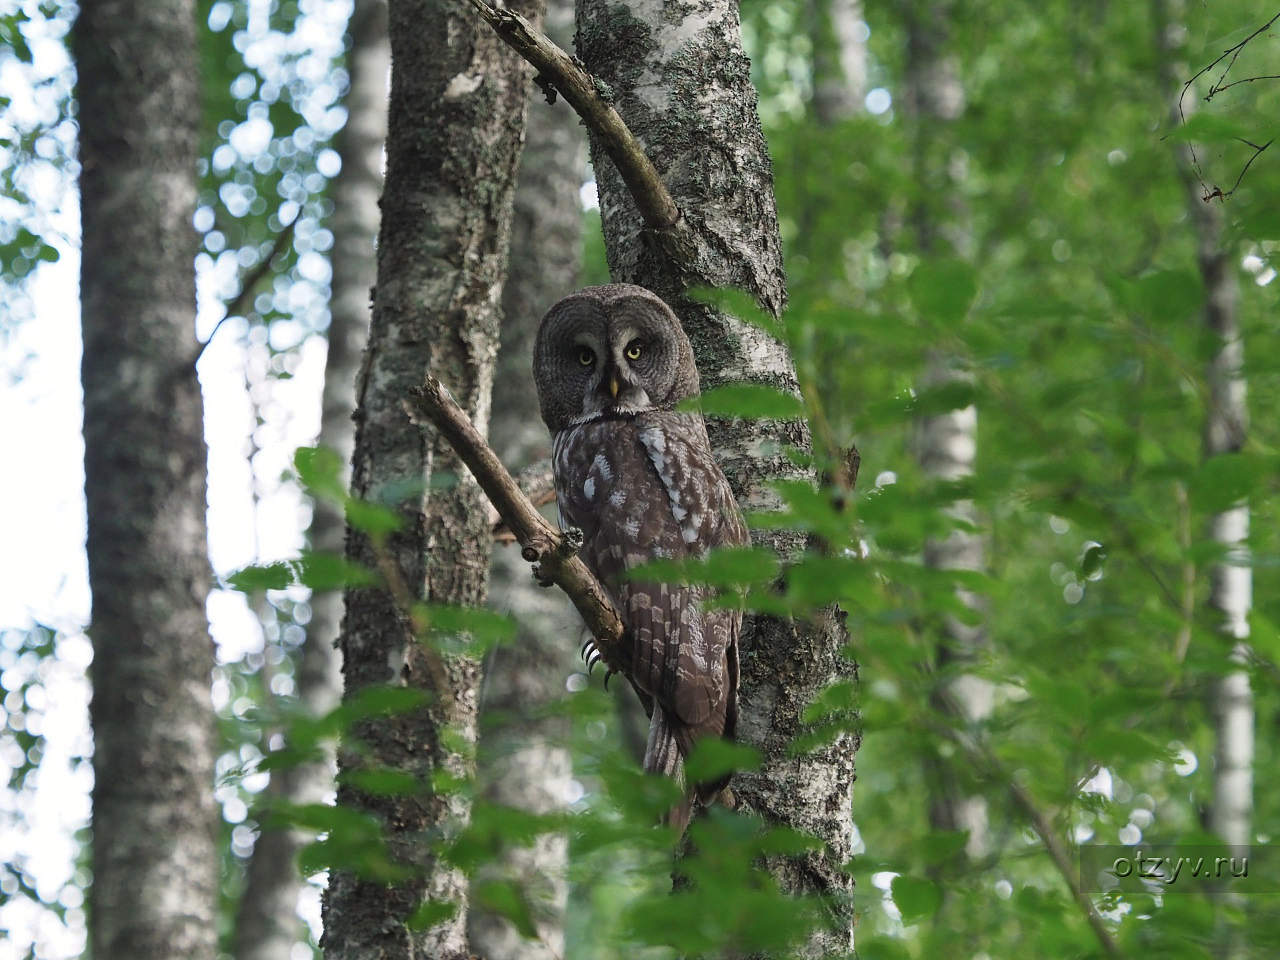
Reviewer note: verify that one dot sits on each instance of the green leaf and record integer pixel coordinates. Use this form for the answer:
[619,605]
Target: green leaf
[257,577]
[330,571]
[712,758]
[738,304]
[320,470]
[509,901]
[916,898]
[942,290]
[1230,478]
[747,400]
[429,913]
[1206,126]
[382,700]
[383,782]
[485,628]
[372,518]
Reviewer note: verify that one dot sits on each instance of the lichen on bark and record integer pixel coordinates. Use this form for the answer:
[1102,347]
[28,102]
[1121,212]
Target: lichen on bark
[455,126]
[681,81]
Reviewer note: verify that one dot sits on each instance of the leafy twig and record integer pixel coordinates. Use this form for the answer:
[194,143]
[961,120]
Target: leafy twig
[981,757]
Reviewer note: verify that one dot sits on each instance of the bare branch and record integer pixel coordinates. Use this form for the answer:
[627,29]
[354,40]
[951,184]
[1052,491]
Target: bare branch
[236,306]
[557,71]
[1231,54]
[554,553]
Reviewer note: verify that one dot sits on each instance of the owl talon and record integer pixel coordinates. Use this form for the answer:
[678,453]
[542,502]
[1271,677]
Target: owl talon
[571,541]
[541,578]
[607,675]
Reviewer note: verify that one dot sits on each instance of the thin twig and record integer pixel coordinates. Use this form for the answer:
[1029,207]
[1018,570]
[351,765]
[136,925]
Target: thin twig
[1216,87]
[981,757]
[590,98]
[236,306]
[554,553]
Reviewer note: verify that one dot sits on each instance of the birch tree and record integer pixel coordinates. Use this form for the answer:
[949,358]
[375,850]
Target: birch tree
[1226,424]
[947,443]
[838,36]
[454,131]
[682,84]
[155,863]
[267,924]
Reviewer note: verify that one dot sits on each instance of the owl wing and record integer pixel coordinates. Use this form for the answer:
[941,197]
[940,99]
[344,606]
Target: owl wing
[644,488]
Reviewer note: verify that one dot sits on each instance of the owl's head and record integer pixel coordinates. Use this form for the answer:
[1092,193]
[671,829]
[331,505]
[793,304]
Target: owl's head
[614,349]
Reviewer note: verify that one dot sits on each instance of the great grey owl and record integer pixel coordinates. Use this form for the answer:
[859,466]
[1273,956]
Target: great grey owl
[637,477]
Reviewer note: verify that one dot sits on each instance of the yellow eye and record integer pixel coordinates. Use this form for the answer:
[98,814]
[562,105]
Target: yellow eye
[586,357]
[633,350]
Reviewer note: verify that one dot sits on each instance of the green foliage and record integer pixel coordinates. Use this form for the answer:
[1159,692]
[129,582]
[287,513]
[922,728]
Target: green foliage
[1069,312]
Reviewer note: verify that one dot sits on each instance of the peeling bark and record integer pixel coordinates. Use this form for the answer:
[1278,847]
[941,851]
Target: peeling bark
[680,80]
[524,762]
[455,126]
[267,923]
[152,712]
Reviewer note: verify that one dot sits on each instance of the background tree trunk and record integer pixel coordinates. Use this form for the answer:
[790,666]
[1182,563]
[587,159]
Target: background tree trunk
[683,86]
[947,443]
[155,863]
[838,35]
[454,131]
[1225,430]
[524,759]
[267,923]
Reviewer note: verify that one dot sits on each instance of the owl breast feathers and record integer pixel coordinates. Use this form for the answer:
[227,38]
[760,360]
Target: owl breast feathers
[638,478]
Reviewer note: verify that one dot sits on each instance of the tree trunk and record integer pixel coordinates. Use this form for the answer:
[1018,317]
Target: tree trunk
[524,759]
[155,861]
[683,86]
[947,443]
[267,923]
[1225,429]
[837,33]
[455,126]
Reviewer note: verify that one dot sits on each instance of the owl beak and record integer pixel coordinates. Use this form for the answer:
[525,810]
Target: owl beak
[614,385]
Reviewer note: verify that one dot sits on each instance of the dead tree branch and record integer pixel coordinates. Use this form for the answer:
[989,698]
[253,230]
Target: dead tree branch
[553,553]
[557,71]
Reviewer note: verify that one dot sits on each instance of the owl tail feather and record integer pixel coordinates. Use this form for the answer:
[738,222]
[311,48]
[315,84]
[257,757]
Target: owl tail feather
[664,754]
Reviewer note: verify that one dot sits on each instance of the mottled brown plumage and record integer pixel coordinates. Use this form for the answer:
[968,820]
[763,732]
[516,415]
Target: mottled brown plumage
[638,478]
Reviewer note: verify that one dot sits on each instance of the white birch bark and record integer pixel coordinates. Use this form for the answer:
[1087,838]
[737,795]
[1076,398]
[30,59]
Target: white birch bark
[681,81]
[1225,431]
[455,126]
[947,443]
